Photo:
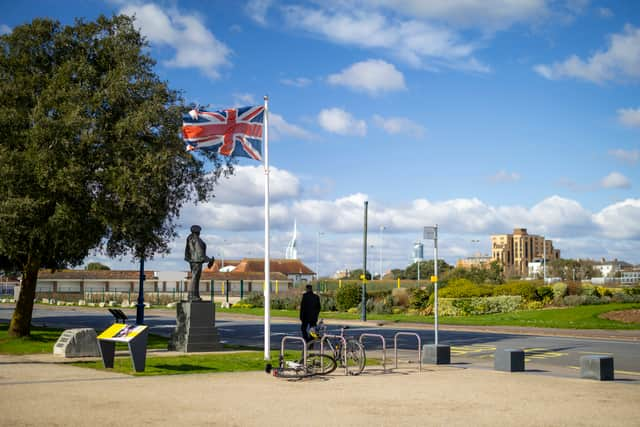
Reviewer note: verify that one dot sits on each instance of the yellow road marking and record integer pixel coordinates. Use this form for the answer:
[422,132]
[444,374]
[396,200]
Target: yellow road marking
[616,371]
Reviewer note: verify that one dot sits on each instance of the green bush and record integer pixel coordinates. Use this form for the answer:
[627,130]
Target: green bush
[526,290]
[383,306]
[348,296]
[464,288]
[601,291]
[328,303]
[573,300]
[419,298]
[559,290]
[587,289]
[254,299]
[632,291]
[544,293]
[478,305]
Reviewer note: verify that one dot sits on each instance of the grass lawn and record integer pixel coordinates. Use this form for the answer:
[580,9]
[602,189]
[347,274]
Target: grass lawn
[42,340]
[581,317]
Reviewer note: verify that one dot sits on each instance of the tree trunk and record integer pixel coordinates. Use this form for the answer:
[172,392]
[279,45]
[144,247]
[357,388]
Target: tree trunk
[21,321]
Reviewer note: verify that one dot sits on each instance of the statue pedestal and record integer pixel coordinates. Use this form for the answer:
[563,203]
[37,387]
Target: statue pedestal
[195,330]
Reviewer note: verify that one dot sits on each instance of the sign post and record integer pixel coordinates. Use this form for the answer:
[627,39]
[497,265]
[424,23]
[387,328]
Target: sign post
[136,338]
[431,233]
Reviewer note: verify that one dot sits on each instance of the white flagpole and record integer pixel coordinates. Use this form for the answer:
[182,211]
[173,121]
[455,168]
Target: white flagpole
[267,266]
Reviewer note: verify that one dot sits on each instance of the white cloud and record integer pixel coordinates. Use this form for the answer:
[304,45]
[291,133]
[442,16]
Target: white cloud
[297,82]
[281,128]
[244,99]
[615,180]
[194,45]
[626,156]
[421,44]
[605,12]
[246,186]
[620,62]
[620,220]
[486,14]
[341,122]
[399,126]
[4,29]
[372,76]
[504,176]
[629,116]
[257,10]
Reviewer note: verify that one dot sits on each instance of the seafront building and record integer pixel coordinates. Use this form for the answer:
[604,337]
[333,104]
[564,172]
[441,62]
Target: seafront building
[515,251]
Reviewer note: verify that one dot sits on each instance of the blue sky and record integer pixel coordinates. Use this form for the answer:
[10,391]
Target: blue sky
[477,115]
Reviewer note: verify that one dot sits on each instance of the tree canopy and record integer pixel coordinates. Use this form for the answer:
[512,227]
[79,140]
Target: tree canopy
[90,152]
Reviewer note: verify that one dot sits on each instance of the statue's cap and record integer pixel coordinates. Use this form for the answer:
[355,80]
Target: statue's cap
[195,228]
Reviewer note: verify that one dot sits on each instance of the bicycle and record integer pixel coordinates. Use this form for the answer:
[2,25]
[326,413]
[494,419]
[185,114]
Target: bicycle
[317,364]
[353,355]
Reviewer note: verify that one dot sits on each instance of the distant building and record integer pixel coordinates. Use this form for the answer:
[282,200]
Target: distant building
[292,270]
[478,261]
[610,268]
[515,251]
[630,276]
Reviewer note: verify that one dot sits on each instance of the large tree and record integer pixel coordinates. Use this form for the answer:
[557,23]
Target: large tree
[90,152]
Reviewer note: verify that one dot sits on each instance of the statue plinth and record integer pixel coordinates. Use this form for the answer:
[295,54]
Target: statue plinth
[195,328]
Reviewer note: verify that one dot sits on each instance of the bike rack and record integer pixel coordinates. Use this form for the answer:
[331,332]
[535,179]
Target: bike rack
[384,347]
[395,347]
[344,351]
[294,338]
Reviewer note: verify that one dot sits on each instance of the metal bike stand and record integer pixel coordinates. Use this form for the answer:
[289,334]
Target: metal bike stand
[344,349]
[294,338]
[395,347]
[384,347]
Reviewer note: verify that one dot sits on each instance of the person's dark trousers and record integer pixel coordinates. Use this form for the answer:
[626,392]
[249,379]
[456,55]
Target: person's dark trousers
[304,327]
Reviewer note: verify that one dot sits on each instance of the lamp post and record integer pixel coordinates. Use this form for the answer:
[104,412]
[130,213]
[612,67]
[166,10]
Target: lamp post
[382,227]
[320,233]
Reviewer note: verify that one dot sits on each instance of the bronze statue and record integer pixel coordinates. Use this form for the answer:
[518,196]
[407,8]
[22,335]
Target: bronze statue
[195,253]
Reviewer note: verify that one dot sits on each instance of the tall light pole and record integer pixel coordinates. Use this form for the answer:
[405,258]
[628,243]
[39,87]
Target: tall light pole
[382,227]
[320,233]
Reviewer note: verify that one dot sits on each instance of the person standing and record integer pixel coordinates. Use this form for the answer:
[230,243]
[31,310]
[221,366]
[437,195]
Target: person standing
[195,253]
[309,311]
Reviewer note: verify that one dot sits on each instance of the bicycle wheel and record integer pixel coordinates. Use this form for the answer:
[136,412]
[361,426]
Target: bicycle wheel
[356,358]
[287,372]
[320,364]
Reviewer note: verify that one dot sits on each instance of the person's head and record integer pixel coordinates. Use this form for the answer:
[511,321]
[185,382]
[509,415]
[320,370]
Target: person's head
[309,288]
[195,229]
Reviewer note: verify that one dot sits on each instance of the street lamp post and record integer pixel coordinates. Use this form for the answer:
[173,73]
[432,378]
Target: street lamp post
[382,227]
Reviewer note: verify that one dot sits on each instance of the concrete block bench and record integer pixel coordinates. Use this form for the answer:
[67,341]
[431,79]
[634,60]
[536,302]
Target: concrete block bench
[436,355]
[596,367]
[509,360]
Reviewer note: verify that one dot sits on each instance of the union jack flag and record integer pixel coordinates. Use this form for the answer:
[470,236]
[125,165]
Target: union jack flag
[232,132]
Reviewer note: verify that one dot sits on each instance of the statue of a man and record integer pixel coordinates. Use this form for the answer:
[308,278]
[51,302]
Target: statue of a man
[195,253]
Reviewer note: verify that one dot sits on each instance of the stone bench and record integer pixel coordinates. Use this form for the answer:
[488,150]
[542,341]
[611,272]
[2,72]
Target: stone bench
[509,360]
[596,367]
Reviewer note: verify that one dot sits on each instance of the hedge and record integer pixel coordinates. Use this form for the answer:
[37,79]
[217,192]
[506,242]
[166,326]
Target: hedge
[478,305]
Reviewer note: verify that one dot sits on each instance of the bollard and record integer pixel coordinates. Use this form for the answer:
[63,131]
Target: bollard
[509,360]
[597,367]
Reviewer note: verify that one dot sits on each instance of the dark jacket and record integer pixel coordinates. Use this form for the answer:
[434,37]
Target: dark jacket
[195,250]
[309,307]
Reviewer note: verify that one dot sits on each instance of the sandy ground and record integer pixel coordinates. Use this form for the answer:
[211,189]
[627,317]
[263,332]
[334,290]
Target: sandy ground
[626,316]
[37,392]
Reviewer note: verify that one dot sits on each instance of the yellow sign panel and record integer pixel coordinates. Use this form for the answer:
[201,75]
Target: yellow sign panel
[121,332]
[434,279]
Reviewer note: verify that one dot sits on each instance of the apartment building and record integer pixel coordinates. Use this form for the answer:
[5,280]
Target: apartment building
[515,251]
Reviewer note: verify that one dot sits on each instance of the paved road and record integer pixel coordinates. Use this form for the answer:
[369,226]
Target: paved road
[478,346]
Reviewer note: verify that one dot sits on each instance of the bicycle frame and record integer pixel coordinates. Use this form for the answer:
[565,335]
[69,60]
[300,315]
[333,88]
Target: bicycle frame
[343,354]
